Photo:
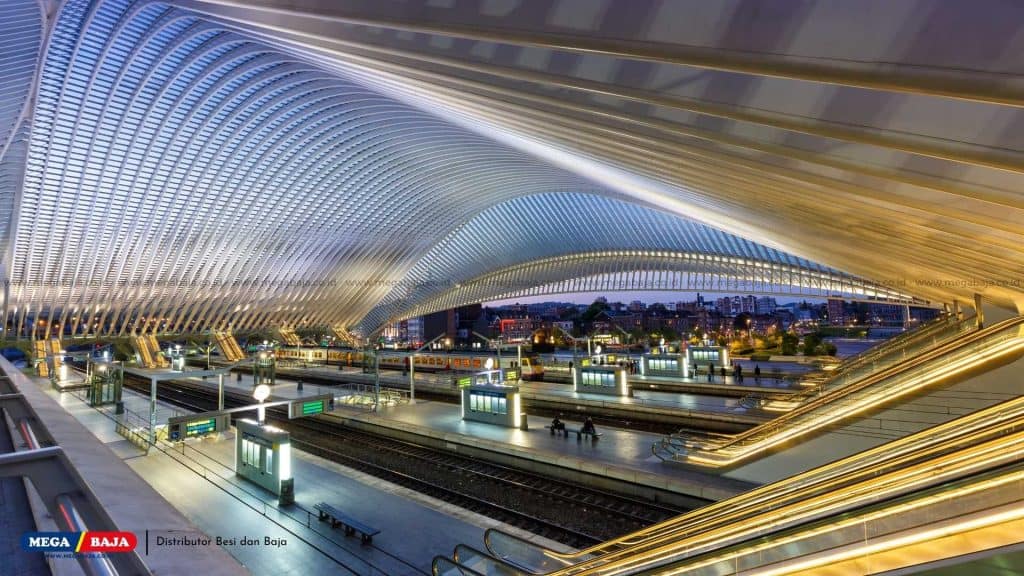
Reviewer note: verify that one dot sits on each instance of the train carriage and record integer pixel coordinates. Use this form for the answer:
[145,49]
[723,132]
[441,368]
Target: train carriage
[531,368]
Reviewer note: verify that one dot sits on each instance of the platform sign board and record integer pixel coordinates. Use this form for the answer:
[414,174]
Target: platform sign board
[200,427]
[310,406]
[465,381]
[182,427]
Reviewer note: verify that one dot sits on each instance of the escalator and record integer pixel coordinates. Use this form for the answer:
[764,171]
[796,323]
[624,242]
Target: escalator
[960,483]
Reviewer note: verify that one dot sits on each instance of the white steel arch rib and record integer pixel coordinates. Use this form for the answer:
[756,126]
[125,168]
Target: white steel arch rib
[200,149]
[822,129]
[624,270]
[189,164]
[540,256]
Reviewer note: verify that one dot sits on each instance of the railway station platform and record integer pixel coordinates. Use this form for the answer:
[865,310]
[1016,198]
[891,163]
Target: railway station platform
[711,412]
[105,460]
[195,482]
[618,455]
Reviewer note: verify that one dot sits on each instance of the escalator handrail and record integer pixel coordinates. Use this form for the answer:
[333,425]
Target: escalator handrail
[800,486]
[892,371]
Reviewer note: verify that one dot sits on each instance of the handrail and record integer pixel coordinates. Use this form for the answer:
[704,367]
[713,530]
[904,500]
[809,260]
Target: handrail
[491,566]
[820,393]
[899,340]
[900,521]
[886,355]
[921,446]
[444,566]
[66,495]
[761,434]
[953,458]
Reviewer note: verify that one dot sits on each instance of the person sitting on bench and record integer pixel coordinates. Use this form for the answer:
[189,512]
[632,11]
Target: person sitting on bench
[588,427]
[557,425]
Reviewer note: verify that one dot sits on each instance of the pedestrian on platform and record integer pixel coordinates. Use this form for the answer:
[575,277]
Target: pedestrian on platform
[757,373]
[588,427]
[557,425]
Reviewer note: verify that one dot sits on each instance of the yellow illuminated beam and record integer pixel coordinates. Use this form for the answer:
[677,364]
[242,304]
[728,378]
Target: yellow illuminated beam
[924,445]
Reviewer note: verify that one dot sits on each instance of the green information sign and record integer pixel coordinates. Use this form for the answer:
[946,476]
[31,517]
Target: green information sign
[200,427]
[465,381]
[310,406]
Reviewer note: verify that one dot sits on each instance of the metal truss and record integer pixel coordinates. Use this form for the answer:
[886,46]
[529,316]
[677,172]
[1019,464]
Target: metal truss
[625,270]
[183,176]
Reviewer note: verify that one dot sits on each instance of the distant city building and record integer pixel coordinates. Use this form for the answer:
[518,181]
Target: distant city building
[518,329]
[765,305]
[836,309]
[414,331]
[396,332]
[566,325]
[724,306]
[887,314]
[747,305]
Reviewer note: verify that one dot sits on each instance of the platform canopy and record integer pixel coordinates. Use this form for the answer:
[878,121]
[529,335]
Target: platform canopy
[194,164]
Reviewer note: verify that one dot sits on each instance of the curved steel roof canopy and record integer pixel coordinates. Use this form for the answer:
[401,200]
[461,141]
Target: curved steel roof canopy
[191,164]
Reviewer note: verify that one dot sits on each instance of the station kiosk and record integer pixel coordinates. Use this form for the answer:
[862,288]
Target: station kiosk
[263,455]
[487,398]
[667,365]
[264,369]
[177,359]
[699,357]
[610,380]
[105,382]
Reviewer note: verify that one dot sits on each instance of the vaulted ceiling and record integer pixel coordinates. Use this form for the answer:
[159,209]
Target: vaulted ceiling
[189,164]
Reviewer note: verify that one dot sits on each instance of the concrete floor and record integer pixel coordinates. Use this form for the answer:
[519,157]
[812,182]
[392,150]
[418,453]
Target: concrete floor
[197,479]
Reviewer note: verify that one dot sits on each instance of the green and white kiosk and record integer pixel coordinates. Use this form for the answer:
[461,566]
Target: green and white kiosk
[263,454]
[487,398]
[594,378]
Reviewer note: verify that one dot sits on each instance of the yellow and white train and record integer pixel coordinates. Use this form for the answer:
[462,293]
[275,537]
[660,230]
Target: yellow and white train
[531,367]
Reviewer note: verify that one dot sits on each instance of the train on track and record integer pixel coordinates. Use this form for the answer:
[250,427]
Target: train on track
[531,368]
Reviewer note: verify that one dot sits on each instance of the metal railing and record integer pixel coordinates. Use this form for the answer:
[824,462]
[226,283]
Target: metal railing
[927,464]
[861,393]
[67,496]
[899,341]
[896,349]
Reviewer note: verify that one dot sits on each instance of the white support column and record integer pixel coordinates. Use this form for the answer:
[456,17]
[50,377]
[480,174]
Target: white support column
[152,413]
[412,378]
[376,381]
[220,391]
[519,362]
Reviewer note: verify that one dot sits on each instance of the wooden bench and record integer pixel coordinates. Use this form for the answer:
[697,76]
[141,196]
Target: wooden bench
[562,430]
[351,525]
[580,433]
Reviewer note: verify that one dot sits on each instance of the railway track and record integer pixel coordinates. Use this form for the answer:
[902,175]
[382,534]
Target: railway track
[571,514]
[535,409]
